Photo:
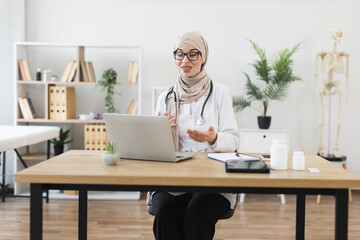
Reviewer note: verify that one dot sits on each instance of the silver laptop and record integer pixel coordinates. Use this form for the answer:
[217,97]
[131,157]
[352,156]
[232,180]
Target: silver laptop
[142,137]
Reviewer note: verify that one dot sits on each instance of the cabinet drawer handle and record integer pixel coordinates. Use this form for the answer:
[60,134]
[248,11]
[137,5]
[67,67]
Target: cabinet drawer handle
[264,136]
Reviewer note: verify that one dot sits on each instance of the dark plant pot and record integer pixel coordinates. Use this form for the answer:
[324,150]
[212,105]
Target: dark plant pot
[58,149]
[264,122]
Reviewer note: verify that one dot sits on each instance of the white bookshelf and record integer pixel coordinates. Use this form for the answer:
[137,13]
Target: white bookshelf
[89,97]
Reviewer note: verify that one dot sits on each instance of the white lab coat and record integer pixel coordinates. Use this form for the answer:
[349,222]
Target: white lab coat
[218,113]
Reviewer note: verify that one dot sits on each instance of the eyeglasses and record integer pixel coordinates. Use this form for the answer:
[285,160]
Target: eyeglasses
[192,56]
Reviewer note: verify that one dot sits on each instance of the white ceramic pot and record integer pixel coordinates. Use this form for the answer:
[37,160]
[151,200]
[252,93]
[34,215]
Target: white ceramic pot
[110,159]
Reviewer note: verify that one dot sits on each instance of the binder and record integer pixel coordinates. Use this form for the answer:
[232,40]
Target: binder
[92,137]
[87,136]
[104,137]
[57,103]
[52,109]
[97,137]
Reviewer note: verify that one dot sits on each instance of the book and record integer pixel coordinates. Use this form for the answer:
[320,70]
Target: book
[27,108]
[27,70]
[21,73]
[92,72]
[129,72]
[67,70]
[31,107]
[132,107]
[85,77]
[22,108]
[88,71]
[72,73]
[135,72]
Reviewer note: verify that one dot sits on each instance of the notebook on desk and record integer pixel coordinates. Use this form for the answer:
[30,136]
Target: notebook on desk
[142,137]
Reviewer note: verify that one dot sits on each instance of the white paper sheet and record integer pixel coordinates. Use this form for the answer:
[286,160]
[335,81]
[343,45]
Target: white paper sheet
[223,157]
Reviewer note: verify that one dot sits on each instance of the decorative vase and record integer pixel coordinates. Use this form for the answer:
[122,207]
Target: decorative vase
[264,122]
[58,149]
[110,159]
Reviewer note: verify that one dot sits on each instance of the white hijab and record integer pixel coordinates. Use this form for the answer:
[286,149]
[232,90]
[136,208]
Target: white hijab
[189,89]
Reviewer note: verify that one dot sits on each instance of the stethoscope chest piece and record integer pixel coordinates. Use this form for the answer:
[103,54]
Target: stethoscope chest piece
[201,121]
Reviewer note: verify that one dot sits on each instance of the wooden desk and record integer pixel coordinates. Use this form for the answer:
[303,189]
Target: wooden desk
[84,171]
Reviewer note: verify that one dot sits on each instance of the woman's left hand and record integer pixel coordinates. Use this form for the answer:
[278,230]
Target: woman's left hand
[202,136]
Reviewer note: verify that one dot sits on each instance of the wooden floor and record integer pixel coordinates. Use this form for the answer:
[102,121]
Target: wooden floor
[259,217]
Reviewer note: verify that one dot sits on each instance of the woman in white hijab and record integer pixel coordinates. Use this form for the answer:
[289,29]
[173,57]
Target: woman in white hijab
[202,120]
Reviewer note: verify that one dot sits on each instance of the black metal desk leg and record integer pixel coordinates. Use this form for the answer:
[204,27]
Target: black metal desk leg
[35,211]
[341,214]
[48,150]
[47,157]
[3,184]
[82,217]
[300,216]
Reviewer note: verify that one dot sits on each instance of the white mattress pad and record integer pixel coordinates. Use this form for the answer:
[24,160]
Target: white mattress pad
[12,137]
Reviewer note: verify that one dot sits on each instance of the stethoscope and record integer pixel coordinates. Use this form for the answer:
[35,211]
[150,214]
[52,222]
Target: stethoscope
[202,120]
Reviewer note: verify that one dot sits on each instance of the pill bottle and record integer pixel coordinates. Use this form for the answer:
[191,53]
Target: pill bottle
[38,74]
[278,155]
[298,160]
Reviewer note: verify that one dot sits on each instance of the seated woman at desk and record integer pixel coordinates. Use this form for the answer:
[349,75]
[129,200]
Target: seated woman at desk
[202,120]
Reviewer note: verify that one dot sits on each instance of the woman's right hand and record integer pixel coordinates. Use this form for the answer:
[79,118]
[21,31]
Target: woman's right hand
[171,119]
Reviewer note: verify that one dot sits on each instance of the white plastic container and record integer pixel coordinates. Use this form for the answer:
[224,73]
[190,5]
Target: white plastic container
[279,155]
[298,160]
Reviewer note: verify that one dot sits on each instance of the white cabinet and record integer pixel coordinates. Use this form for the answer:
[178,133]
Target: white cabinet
[259,140]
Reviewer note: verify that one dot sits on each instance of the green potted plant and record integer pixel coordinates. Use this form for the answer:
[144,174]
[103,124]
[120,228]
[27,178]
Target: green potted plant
[276,79]
[108,82]
[110,157]
[60,143]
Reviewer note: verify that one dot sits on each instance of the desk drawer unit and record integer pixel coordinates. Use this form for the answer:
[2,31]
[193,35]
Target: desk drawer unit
[259,141]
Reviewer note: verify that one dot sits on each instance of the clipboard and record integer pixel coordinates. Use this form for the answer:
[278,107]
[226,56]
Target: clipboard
[240,166]
[223,157]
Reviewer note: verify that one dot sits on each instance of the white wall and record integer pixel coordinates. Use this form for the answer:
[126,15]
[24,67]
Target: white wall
[12,28]
[226,25]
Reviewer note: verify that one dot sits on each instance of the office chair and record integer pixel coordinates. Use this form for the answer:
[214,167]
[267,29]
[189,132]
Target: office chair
[226,215]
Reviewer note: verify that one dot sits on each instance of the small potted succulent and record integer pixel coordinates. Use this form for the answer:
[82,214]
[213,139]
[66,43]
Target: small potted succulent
[60,143]
[110,157]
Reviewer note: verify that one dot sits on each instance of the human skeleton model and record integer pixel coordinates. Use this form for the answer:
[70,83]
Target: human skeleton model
[332,62]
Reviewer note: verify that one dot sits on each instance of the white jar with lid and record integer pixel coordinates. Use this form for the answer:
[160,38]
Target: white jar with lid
[298,160]
[279,155]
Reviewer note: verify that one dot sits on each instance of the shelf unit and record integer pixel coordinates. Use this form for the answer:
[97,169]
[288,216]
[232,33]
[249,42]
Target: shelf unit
[89,97]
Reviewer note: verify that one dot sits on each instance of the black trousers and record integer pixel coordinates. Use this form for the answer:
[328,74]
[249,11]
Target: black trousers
[191,216]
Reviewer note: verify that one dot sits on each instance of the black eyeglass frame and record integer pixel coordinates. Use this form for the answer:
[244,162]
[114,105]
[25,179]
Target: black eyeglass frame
[186,55]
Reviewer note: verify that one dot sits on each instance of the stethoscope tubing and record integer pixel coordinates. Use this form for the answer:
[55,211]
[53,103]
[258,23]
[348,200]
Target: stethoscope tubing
[203,107]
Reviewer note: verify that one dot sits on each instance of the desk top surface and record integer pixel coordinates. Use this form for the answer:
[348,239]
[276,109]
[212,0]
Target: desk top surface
[86,167]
